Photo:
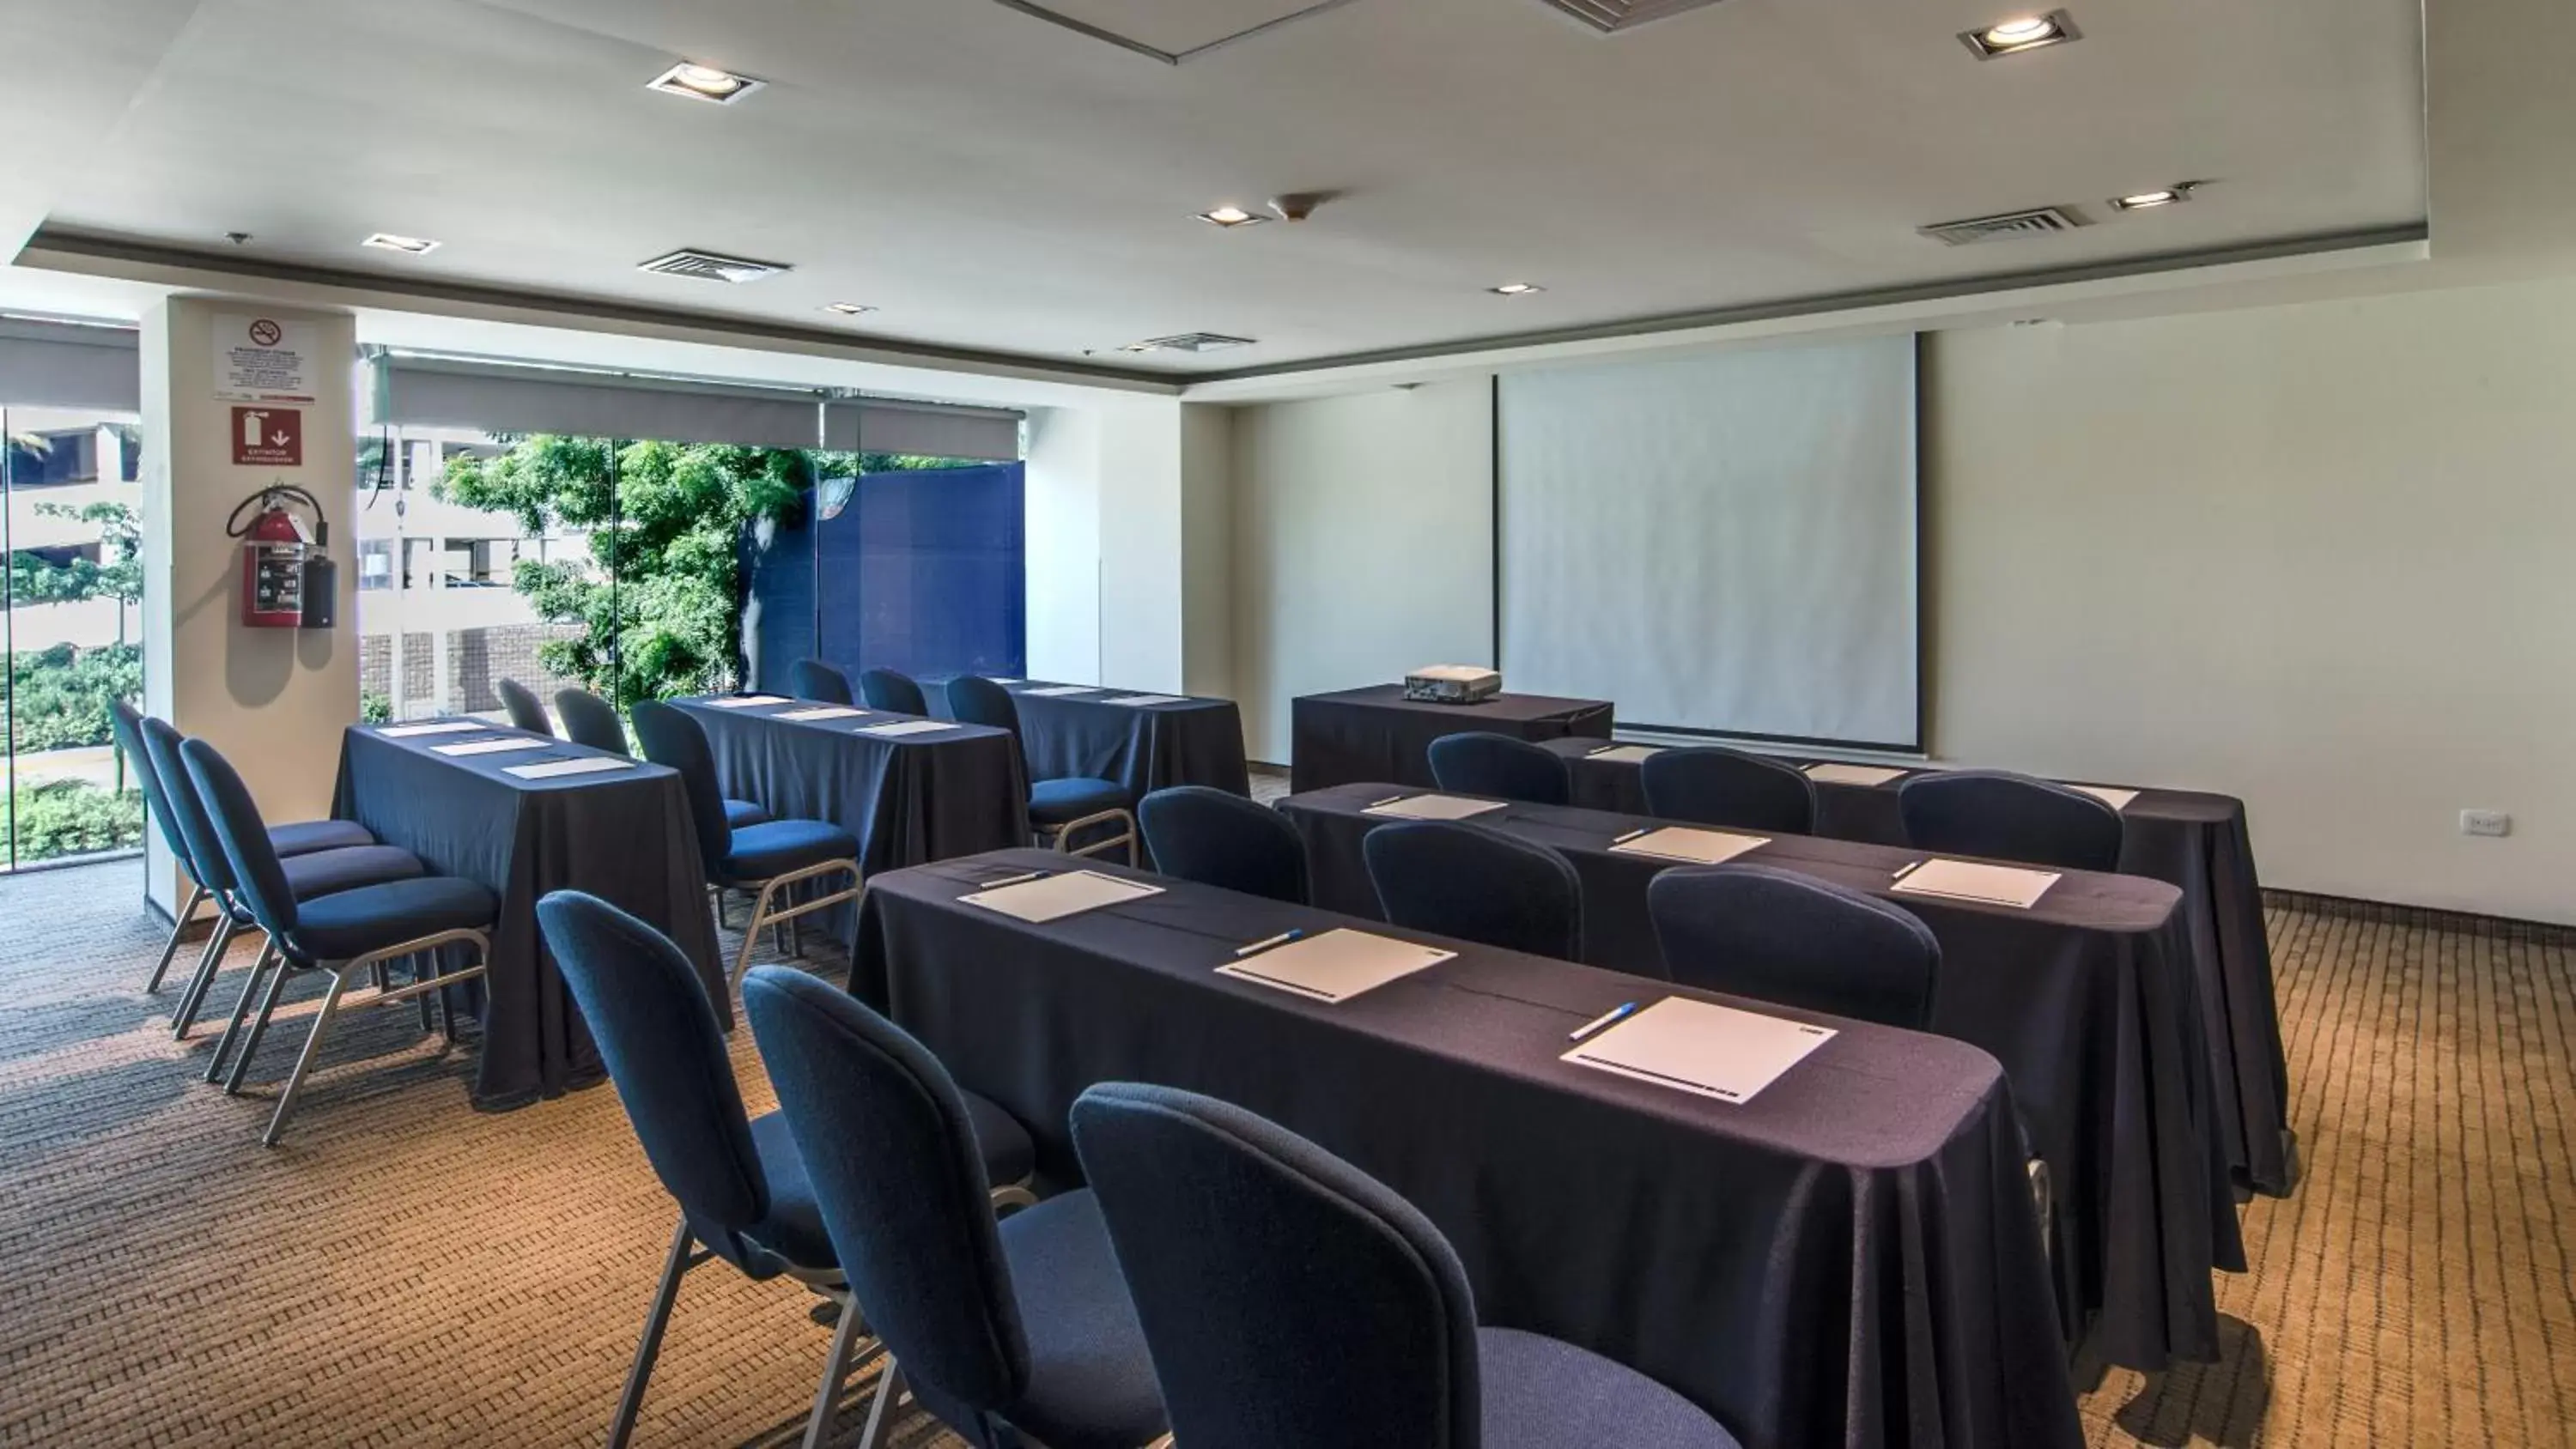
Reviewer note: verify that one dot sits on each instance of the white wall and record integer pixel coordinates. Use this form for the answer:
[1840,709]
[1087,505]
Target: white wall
[1207,550]
[1062,504]
[2317,556]
[1105,550]
[1363,534]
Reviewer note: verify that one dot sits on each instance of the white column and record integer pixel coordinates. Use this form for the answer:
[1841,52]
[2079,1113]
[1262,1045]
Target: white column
[273,700]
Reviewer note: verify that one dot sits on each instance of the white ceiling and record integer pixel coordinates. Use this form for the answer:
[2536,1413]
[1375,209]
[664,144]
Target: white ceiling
[993,182]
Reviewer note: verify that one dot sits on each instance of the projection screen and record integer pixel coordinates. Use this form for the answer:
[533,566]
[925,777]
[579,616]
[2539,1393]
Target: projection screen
[1723,543]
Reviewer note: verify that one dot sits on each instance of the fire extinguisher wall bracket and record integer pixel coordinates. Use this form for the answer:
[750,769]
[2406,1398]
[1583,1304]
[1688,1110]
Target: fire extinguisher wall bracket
[287,580]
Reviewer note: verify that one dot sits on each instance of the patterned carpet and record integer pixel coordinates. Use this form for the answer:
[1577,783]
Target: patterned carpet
[407,1271]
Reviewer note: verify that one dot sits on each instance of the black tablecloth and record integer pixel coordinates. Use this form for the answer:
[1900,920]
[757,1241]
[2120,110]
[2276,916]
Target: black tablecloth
[1849,1258]
[1378,734]
[2086,998]
[1144,747]
[911,799]
[621,835]
[2197,842]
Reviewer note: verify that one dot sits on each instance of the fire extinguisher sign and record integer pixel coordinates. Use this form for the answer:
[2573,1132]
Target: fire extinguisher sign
[268,438]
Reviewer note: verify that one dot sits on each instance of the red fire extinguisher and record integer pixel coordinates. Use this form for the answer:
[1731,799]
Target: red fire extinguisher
[287,580]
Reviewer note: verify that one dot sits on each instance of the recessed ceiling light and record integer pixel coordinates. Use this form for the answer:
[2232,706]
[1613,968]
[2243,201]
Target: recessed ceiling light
[2149,200]
[703,83]
[1232,216]
[2020,33]
[387,241]
[848,309]
[1516,289]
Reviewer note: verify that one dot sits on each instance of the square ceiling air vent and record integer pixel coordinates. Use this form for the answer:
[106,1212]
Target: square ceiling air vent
[1612,16]
[2005,226]
[711,266]
[1190,342]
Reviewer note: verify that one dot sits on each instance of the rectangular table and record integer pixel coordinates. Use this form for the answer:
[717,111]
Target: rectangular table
[1378,734]
[1848,1258]
[909,799]
[622,835]
[2197,842]
[2086,998]
[1190,741]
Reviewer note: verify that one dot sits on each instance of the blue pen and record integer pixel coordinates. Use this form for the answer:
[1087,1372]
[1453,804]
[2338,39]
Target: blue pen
[1257,947]
[1604,1021]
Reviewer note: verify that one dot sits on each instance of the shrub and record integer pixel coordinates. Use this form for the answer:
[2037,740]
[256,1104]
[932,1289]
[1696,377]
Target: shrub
[75,817]
[60,695]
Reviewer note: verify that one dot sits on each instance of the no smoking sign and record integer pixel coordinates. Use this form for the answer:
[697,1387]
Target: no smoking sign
[268,438]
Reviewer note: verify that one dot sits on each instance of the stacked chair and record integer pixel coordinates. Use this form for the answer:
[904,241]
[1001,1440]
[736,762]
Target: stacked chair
[776,860]
[1060,810]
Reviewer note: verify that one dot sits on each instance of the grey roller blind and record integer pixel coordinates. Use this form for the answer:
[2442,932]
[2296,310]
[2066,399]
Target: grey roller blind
[62,365]
[930,430]
[426,392]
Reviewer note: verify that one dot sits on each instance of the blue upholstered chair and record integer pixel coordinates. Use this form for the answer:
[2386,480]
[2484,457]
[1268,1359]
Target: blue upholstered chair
[773,859]
[302,838]
[341,934]
[815,680]
[2004,816]
[1219,838]
[1476,884]
[1007,1332]
[1773,935]
[1291,1300]
[310,875]
[525,712]
[1712,785]
[1061,808]
[741,1188]
[591,720]
[1478,762]
[884,689]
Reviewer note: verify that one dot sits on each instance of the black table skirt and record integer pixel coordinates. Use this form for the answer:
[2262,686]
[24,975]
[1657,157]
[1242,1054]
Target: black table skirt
[2087,1000]
[1849,1258]
[1378,734]
[623,836]
[1144,748]
[2195,841]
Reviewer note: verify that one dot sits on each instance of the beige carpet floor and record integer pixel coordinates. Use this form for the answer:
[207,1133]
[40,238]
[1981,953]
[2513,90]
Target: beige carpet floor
[407,1271]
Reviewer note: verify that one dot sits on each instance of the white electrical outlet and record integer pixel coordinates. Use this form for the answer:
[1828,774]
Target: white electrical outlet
[2485,822]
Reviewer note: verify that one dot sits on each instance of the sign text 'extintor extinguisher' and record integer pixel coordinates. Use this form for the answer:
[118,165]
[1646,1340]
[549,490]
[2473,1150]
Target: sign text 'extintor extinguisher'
[287,580]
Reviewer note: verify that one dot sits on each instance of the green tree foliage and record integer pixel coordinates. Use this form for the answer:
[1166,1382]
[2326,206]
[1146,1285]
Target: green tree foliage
[59,696]
[75,817]
[119,576]
[670,539]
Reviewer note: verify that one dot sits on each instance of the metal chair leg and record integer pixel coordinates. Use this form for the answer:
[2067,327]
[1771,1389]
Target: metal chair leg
[845,1337]
[258,1028]
[881,1414]
[303,1060]
[178,927]
[241,1009]
[674,1265]
[210,962]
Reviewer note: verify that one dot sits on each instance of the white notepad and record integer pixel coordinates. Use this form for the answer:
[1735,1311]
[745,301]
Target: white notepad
[549,769]
[2111,795]
[1680,842]
[491,747]
[1625,754]
[1336,965]
[1060,691]
[1831,774]
[1966,880]
[1141,700]
[1432,807]
[443,727]
[1054,897]
[903,727]
[746,701]
[828,711]
[1005,681]
[1698,1046]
